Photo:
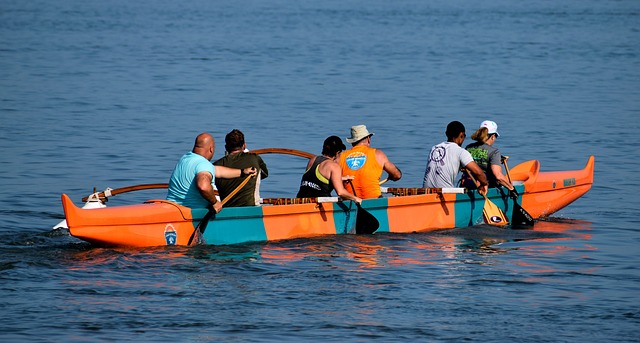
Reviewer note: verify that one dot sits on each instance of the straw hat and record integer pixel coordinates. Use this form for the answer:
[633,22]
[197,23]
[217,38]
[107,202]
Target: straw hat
[358,133]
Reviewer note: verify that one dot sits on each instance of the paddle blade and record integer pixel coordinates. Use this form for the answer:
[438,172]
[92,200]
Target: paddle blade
[520,218]
[366,223]
[196,236]
[492,214]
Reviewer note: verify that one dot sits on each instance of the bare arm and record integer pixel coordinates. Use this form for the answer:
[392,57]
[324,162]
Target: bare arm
[475,169]
[394,172]
[501,178]
[335,178]
[230,173]
[203,182]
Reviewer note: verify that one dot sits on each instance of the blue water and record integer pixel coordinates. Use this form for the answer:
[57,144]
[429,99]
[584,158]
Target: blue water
[111,93]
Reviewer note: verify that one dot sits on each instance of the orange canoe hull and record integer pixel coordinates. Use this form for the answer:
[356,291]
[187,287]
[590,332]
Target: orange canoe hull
[160,222]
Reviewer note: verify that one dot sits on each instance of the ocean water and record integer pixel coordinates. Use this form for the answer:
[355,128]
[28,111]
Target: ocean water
[111,93]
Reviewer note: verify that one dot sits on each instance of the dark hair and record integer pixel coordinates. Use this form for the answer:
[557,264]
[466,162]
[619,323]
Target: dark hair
[332,146]
[454,129]
[234,140]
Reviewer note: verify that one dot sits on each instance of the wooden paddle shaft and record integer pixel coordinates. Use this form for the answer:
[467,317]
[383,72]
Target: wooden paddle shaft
[111,192]
[283,151]
[202,225]
[506,167]
[225,200]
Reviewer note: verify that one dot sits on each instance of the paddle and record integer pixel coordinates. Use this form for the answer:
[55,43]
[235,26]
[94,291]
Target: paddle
[283,151]
[520,218]
[111,192]
[199,230]
[491,213]
[366,223]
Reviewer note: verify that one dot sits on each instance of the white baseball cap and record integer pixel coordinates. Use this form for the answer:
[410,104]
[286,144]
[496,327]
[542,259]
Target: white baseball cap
[491,126]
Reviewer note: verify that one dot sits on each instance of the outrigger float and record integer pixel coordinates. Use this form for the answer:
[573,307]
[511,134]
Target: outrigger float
[401,210]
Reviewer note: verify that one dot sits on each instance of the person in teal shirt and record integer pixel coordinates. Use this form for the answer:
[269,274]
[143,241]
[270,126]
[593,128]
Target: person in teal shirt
[192,182]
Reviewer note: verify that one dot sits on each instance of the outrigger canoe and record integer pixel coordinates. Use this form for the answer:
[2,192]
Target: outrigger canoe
[401,210]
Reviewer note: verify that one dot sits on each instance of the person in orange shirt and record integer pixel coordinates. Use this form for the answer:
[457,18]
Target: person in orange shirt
[365,164]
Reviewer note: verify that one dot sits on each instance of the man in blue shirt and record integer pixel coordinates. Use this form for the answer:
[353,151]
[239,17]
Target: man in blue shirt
[193,179]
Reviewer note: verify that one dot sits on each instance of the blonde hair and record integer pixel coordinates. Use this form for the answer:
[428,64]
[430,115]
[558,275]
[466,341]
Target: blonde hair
[481,135]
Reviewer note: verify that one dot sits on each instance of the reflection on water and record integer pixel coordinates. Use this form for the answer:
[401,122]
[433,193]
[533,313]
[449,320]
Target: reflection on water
[388,249]
[550,237]
[366,276]
[450,254]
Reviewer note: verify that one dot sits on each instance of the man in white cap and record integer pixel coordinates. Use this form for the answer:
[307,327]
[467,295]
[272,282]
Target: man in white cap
[365,164]
[492,127]
[487,156]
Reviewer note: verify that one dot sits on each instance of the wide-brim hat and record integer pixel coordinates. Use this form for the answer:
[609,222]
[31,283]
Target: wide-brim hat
[358,133]
[491,126]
